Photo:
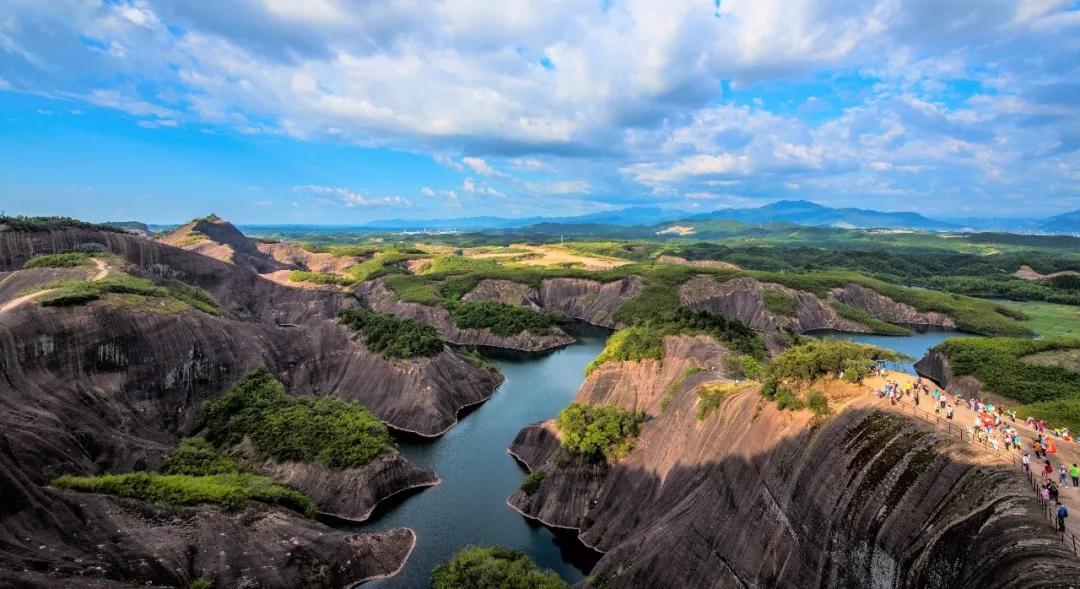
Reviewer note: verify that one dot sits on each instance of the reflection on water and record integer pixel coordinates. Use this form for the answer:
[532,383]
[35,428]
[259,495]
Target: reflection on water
[469,506]
[915,345]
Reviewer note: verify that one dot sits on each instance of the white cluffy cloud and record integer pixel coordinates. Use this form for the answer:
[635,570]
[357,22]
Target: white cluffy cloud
[351,198]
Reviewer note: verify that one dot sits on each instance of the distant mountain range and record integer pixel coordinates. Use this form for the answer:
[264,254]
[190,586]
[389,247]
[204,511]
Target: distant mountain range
[799,212]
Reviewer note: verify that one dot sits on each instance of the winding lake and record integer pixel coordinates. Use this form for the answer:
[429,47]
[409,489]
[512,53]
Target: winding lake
[916,345]
[469,506]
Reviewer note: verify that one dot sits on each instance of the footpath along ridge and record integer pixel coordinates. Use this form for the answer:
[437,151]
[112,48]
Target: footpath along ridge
[1068,452]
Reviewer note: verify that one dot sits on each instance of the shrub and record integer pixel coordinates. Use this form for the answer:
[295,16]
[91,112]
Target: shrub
[62,260]
[229,490]
[809,361]
[35,224]
[391,336]
[599,430]
[779,303]
[201,583]
[633,343]
[336,433]
[743,366]
[197,457]
[818,404]
[474,357]
[501,318]
[532,481]
[493,567]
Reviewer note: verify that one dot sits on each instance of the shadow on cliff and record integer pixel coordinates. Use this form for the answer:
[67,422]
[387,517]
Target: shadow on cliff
[865,499]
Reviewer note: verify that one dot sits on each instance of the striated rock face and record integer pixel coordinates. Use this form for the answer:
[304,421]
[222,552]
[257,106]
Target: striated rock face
[352,493]
[753,496]
[742,299]
[99,541]
[111,386]
[586,300]
[221,240]
[297,257]
[381,299]
[882,307]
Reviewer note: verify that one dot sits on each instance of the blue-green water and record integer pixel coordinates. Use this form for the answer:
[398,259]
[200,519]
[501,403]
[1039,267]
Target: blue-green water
[469,506]
[915,345]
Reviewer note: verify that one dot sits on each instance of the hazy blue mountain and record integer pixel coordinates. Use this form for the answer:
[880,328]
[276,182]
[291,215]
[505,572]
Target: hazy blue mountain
[804,212]
[622,217]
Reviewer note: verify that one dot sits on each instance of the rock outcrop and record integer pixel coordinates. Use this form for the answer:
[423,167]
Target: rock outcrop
[742,299]
[590,301]
[296,257]
[221,240]
[353,493]
[882,307]
[935,366]
[381,299]
[753,496]
[112,385]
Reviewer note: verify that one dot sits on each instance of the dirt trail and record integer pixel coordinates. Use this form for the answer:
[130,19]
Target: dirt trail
[1067,454]
[102,272]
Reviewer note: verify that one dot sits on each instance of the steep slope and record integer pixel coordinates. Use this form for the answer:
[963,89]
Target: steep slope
[744,299]
[754,496]
[111,386]
[217,238]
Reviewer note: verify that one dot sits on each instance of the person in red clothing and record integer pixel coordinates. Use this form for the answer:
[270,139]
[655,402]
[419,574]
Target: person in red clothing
[1048,471]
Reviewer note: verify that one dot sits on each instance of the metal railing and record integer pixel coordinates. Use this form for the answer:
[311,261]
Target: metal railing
[1067,537]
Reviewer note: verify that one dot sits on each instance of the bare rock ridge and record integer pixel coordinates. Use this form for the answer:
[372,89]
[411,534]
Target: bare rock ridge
[754,496]
[221,240]
[112,385]
[381,299]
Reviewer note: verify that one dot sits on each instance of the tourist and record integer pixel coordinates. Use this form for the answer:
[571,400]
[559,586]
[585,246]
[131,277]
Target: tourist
[1062,476]
[949,412]
[1062,513]
[1048,471]
[1026,461]
[1044,494]
[1075,473]
[1053,491]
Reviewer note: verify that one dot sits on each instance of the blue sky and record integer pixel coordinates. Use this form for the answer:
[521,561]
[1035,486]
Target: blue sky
[346,111]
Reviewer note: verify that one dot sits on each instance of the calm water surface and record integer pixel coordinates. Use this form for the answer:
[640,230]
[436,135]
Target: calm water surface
[469,506]
[915,345]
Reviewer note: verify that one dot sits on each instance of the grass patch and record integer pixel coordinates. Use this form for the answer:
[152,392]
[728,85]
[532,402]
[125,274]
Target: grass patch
[37,224]
[318,278]
[711,396]
[1067,359]
[1047,319]
[501,318]
[595,431]
[779,302]
[674,387]
[392,336]
[197,457]
[229,490]
[79,292]
[493,567]
[862,317]
[61,260]
[333,432]
[194,296]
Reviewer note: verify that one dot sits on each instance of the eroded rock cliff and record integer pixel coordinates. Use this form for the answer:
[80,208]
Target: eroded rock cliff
[375,294]
[112,385]
[753,496]
[590,301]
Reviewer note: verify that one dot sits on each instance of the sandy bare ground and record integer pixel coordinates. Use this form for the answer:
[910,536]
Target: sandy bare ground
[553,255]
[1028,273]
[102,272]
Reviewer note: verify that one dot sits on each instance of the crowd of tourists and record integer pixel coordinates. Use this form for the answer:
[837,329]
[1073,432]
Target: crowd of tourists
[993,426]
